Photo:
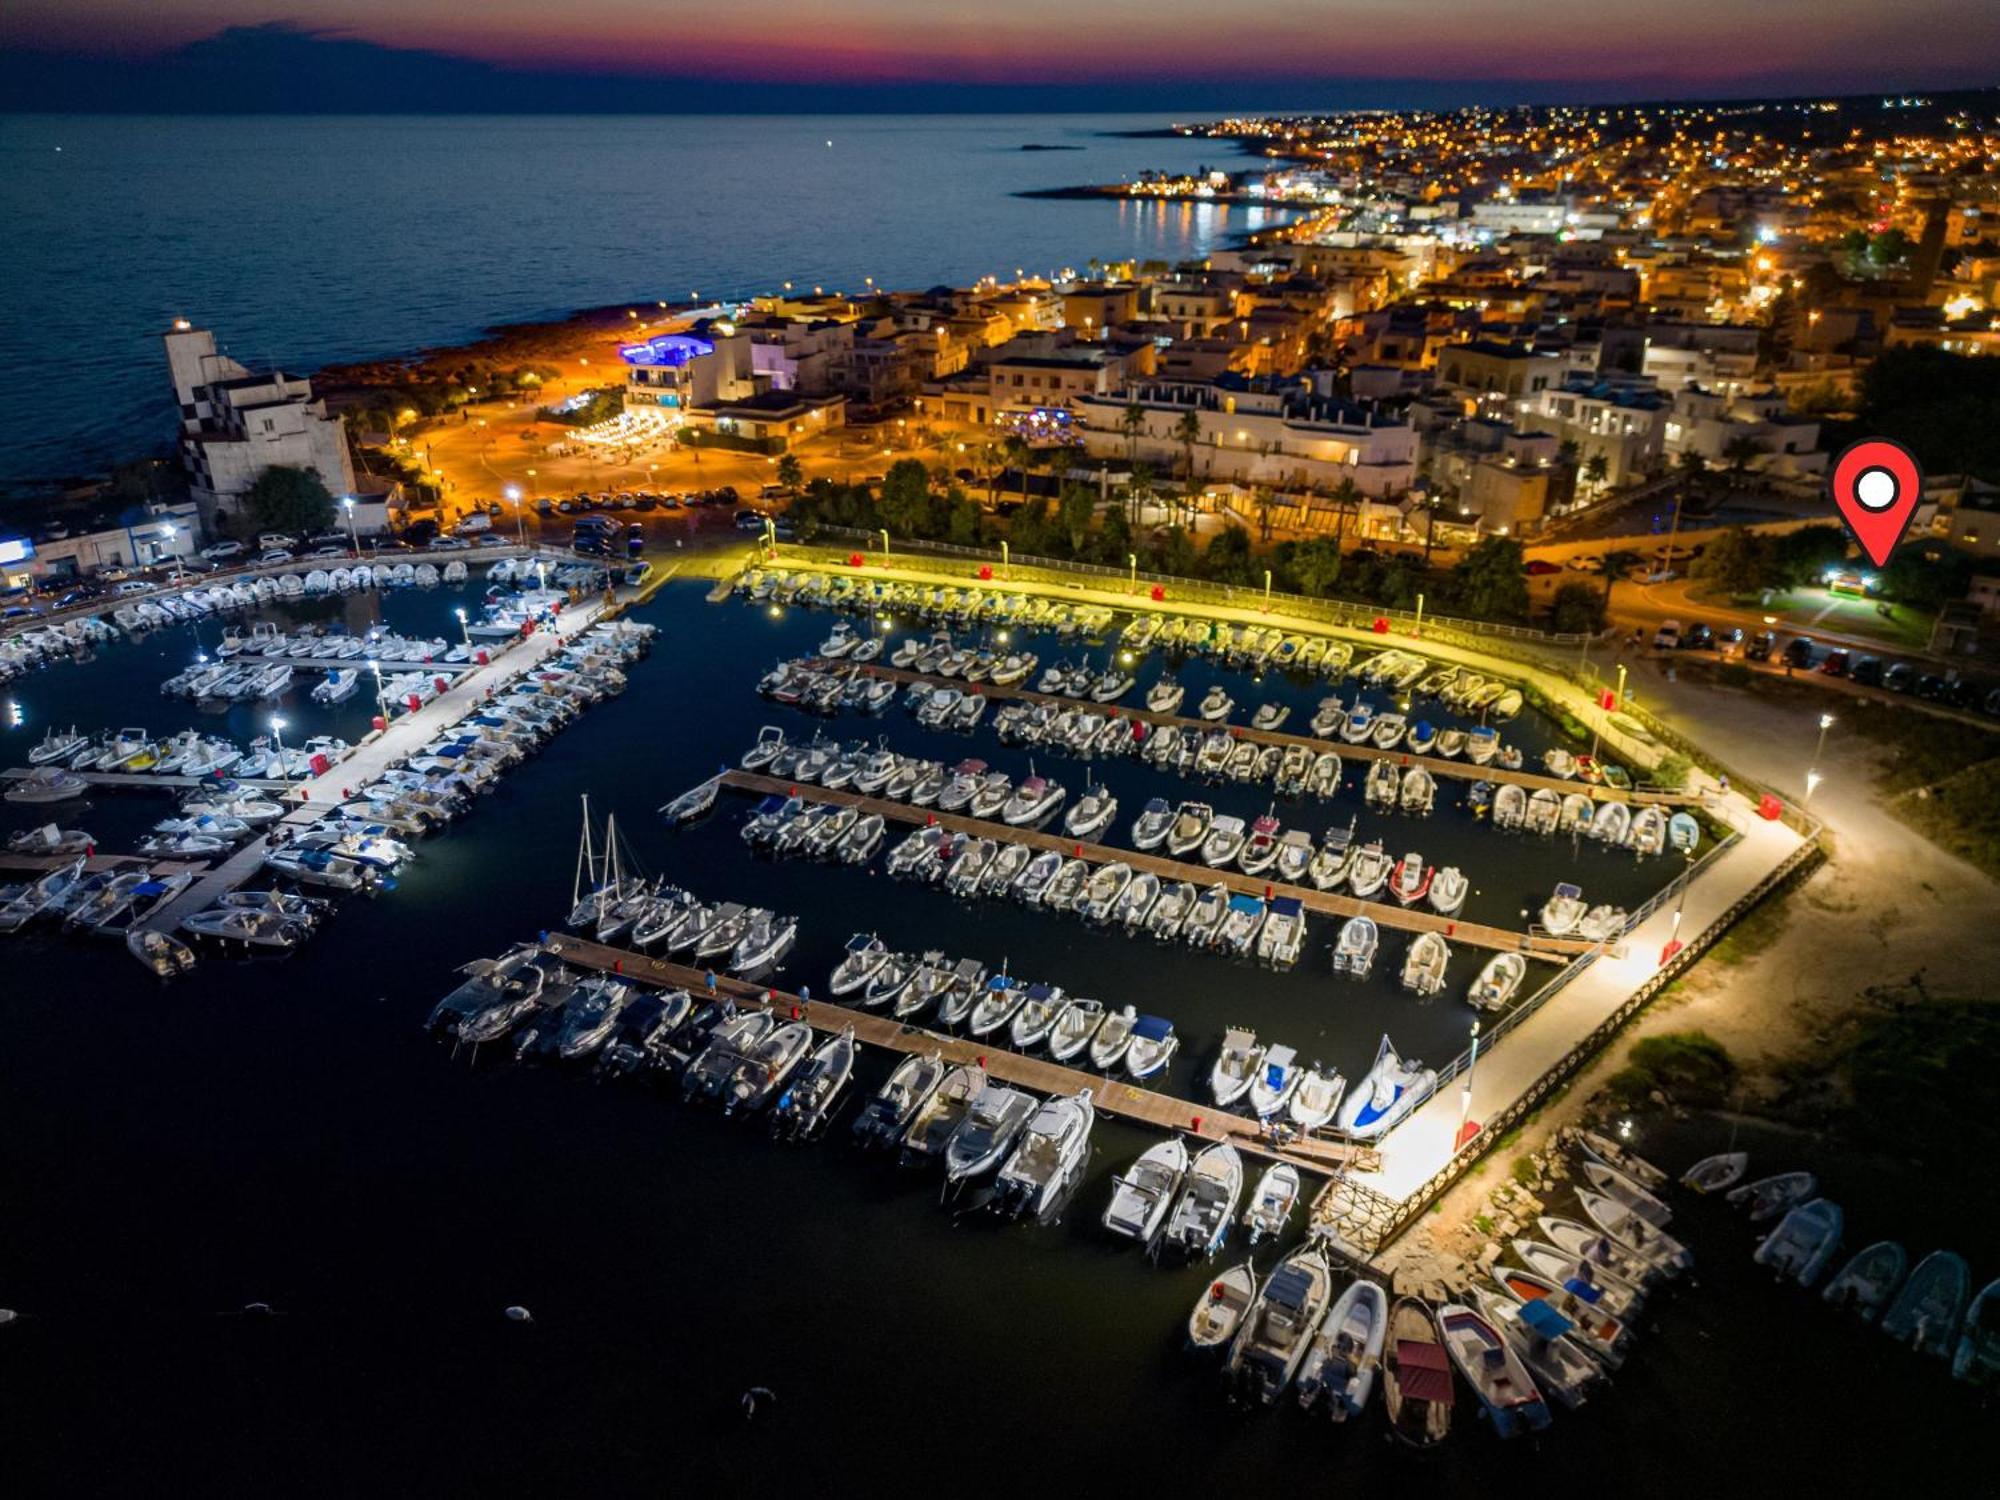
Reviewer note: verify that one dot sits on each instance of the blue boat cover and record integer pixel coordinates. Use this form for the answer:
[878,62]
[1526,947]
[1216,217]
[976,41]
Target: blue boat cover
[148,888]
[999,982]
[1544,1319]
[1153,1028]
[1286,906]
[1274,1075]
[1583,1289]
[1038,992]
[1245,904]
[770,804]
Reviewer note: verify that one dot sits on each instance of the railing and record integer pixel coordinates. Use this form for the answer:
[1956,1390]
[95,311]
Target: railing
[1333,611]
[1494,1129]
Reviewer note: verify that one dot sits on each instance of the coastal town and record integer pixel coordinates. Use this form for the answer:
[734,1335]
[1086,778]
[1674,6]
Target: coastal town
[1042,732]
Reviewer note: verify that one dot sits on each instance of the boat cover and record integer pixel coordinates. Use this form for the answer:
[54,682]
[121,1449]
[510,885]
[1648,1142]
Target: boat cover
[1249,905]
[1286,906]
[1577,1286]
[1423,1371]
[1289,1286]
[1153,1028]
[1545,1320]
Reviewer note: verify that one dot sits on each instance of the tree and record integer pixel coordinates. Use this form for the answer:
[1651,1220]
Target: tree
[1031,531]
[1140,489]
[1133,424]
[791,473]
[1595,468]
[1801,557]
[1114,537]
[1187,432]
[1263,500]
[1740,452]
[1491,580]
[1346,497]
[1078,505]
[1174,554]
[1940,405]
[1737,562]
[1578,609]
[290,500]
[992,462]
[1314,566]
[1019,455]
[1228,559]
[1693,471]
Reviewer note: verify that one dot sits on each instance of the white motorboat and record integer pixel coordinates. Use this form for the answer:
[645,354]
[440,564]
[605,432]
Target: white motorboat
[1149,829]
[987,1133]
[1142,1195]
[1448,890]
[1621,1158]
[1049,1157]
[1236,1066]
[1002,997]
[1276,1078]
[1611,822]
[1626,1190]
[1032,801]
[1543,1338]
[1190,828]
[1225,841]
[1094,811]
[161,952]
[1220,1312]
[865,956]
[1354,949]
[1201,1216]
[249,926]
[1113,1039]
[1217,704]
[1768,1197]
[1346,1351]
[1868,1280]
[47,784]
[1601,1332]
[1151,1048]
[1592,1246]
[1977,1358]
[1317,1098]
[1272,1201]
[1494,1371]
[1073,1028]
[1581,1275]
[1165,695]
[50,840]
[1497,982]
[1634,1233]
[1563,910]
[1368,871]
[887,1114]
[1712,1174]
[1272,1339]
[57,745]
[1386,1093]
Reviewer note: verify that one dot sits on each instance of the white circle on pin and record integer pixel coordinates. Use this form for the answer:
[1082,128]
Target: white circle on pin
[1875,489]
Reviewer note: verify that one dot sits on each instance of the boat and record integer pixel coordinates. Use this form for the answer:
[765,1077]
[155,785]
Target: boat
[1074,1027]
[1868,1280]
[1149,829]
[1260,849]
[1382,786]
[1191,826]
[1243,919]
[1201,1216]
[803,1109]
[1634,1233]
[1601,1332]
[1276,1078]
[1563,910]
[1412,879]
[1033,800]
[1804,1241]
[1142,1195]
[1272,1201]
[1683,833]
[1388,1091]
[1603,1149]
[1217,704]
[1768,1197]
[1543,814]
[1580,1275]
[1354,949]
[1647,832]
[1236,1066]
[864,958]
[1714,1173]
[1103,891]
[1977,1358]
[1283,934]
[1416,1376]
[47,784]
[1615,1184]
[1049,1158]
[1037,1014]
[1497,982]
[1113,1038]
[997,1117]
[1346,1352]
[1272,1338]
[1926,1311]
[1510,806]
[1424,965]
[1219,1313]
[1368,871]
[1270,716]
[938,1118]
[1224,842]
[1543,1338]
[1592,1246]
[691,804]
[886,1115]
[161,952]
[1152,1046]
[246,925]
[1494,1370]
[50,840]
[1577,811]
[1610,822]
[996,1007]
[1092,813]
[1165,695]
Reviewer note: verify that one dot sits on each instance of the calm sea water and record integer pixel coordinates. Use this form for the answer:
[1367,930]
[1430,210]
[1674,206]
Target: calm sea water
[302,241]
[283,1131]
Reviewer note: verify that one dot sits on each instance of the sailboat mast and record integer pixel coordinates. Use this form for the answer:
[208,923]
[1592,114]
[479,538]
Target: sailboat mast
[586,861]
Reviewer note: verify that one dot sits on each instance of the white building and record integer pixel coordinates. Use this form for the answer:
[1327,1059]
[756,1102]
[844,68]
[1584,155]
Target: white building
[236,423]
[1711,422]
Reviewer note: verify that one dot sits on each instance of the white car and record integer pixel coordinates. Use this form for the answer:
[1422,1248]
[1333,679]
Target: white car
[224,551]
[450,544]
[329,550]
[1668,636]
[274,555]
[277,541]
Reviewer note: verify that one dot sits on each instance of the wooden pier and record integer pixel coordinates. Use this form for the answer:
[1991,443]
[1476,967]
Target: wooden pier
[1114,1096]
[101,864]
[1437,765]
[146,781]
[1326,903]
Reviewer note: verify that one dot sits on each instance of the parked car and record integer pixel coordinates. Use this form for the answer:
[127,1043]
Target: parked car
[566,507]
[471,524]
[224,551]
[1698,637]
[274,555]
[545,506]
[1668,636]
[491,540]
[749,520]
[1836,662]
[645,502]
[1591,564]
[132,586]
[1761,645]
[330,550]
[450,544]
[1539,567]
[277,541]
[1799,652]
[1900,677]
[1867,670]
[1931,687]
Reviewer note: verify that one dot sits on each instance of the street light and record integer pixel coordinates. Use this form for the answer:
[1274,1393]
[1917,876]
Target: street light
[1465,1090]
[1132,562]
[1813,777]
[353,537]
[278,734]
[513,493]
[465,630]
[381,702]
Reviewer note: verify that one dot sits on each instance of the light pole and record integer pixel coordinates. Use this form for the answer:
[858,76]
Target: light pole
[381,702]
[1603,713]
[278,735]
[1465,1091]
[884,534]
[1005,558]
[770,538]
[1418,628]
[513,493]
[1267,591]
[465,630]
[1813,778]
[353,536]
[1680,901]
[172,534]
[1132,562]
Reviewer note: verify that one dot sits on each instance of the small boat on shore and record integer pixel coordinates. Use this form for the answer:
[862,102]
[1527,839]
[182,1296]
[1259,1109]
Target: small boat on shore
[1494,1370]
[1768,1197]
[1634,1233]
[1599,1331]
[1621,1158]
[1925,1314]
[1804,1241]
[1416,1376]
[1593,1247]
[1714,1173]
[1616,1185]
[1543,1338]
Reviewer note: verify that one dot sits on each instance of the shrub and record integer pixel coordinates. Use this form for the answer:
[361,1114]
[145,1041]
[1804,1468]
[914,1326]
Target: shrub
[1690,1067]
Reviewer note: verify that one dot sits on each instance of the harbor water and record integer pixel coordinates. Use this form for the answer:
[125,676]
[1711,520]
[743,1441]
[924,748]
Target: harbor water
[283,1132]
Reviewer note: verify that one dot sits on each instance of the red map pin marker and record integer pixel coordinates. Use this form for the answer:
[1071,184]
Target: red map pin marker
[1875,485]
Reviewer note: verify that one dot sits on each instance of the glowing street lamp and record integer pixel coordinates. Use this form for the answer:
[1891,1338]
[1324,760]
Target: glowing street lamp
[464,629]
[1465,1126]
[513,493]
[353,537]
[381,702]
[1813,779]
[278,736]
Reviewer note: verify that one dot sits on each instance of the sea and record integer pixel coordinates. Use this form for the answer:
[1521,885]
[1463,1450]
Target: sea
[302,241]
[283,1132]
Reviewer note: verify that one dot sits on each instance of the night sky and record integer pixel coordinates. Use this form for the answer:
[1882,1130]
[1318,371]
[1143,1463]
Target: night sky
[1389,51]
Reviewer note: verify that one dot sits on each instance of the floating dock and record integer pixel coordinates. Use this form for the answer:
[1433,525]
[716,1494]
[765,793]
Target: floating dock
[1326,903]
[146,781]
[1114,1096]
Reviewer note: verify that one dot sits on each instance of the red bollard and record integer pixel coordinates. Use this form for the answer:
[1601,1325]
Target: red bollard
[618,966]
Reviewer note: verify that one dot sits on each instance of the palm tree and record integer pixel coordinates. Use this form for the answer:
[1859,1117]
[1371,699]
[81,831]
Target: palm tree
[1019,455]
[1740,452]
[1263,499]
[991,464]
[1595,468]
[1133,423]
[791,473]
[1346,495]
[1187,432]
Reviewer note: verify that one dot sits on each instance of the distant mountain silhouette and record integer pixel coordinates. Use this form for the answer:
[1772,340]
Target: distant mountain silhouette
[282,68]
